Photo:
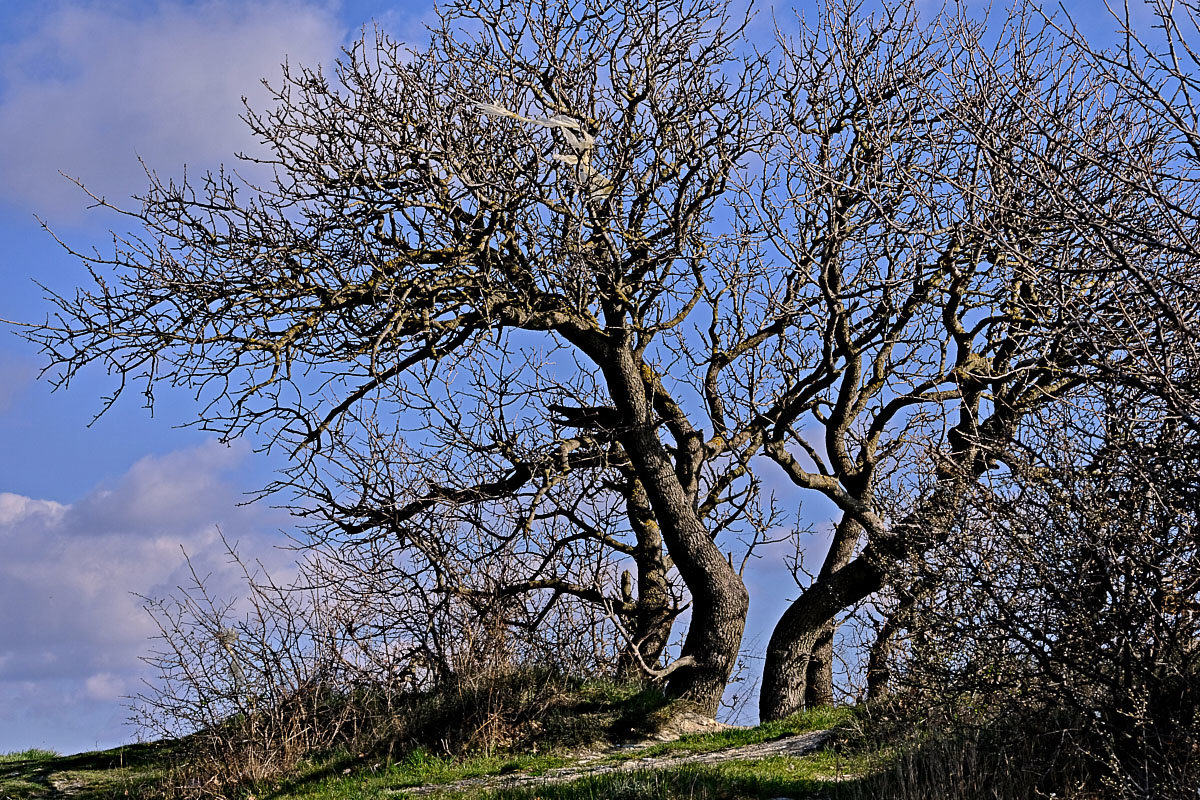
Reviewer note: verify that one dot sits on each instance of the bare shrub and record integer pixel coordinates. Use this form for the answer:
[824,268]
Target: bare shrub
[254,685]
[1066,606]
[959,756]
[362,652]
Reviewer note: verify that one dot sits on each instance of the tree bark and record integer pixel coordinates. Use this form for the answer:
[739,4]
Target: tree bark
[786,671]
[818,688]
[655,611]
[719,598]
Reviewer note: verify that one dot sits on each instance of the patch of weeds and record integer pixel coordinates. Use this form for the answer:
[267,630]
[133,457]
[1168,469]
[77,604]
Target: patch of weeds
[32,754]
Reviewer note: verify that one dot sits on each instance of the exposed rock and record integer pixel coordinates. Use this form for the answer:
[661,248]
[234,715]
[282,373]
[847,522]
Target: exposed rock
[685,723]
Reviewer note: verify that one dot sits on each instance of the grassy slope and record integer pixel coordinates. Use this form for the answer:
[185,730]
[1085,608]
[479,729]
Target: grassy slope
[131,771]
[120,772]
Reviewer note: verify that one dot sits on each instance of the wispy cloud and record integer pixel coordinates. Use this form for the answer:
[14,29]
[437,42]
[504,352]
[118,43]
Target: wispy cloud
[71,627]
[16,375]
[91,88]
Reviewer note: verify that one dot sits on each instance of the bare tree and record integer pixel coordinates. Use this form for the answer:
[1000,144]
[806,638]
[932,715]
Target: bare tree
[932,196]
[1148,75]
[539,183]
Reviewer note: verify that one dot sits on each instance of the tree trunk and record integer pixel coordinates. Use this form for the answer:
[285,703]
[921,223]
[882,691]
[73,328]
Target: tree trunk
[790,650]
[714,637]
[719,598]
[786,672]
[818,679]
[655,612]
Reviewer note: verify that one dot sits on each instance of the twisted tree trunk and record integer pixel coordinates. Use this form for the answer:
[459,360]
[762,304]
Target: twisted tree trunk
[818,690]
[719,598]
[798,633]
[654,607]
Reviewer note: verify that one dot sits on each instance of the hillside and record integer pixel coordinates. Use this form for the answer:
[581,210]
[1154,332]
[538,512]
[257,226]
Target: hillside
[797,758]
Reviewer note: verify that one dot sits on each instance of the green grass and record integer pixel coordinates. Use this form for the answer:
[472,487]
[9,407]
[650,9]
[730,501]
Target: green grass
[343,777]
[133,771]
[342,780]
[825,773]
[822,774]
[121,772]
[33,754]
[865,760]
[19,772]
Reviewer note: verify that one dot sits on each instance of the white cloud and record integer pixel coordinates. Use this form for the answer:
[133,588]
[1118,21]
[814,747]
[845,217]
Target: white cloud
[15,508]
[105,686]
[91,88]
[71,627]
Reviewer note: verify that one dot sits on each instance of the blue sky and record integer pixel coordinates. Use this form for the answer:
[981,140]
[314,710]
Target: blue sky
[90,515]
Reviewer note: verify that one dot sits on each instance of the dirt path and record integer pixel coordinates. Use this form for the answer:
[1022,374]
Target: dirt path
[800,745]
